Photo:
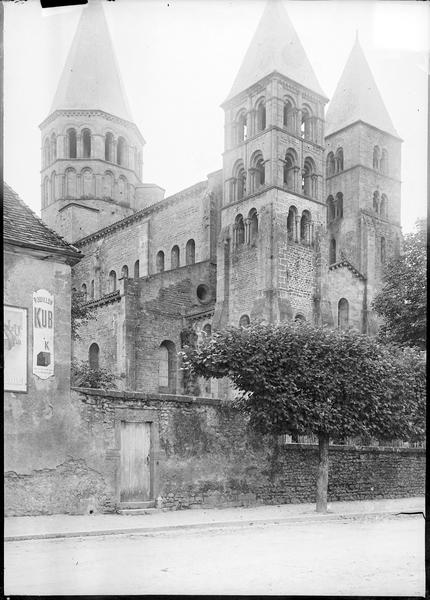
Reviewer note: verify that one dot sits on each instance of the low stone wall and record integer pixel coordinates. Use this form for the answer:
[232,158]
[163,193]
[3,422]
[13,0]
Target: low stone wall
[204,456]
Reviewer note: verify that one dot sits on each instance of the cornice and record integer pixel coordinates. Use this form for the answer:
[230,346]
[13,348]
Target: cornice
[258,85]
[273,187]
[96,112]
[359,165]
[106,299]
[143,214]
[360,122]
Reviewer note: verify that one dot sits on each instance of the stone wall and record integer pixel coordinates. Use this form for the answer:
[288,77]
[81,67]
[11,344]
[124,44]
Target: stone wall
[204,456]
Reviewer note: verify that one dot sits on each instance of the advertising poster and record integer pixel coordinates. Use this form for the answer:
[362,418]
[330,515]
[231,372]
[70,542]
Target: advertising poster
[43,334]
[15,348]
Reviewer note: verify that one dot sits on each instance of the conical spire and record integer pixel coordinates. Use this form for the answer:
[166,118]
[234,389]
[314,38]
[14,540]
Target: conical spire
[275,47]
[91,77]
[357,97]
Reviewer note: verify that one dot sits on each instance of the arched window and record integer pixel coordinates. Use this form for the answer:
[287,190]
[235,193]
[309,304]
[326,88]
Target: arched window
[261,116]
[121,152]
[376,202]
[70,183]
[112,281]
[108,181]
[86,143]
[84,291]
[307,182]
[342,313]
[46,153]
[45,190]
[244,321]
[207,330]
[383,206]
[331,213]
[94,356]
[88,183]
[330,164]
[289,116]
[92,290]
[190,252]
[339,205]
[239,229]
[53,146]
[291,222]
[53,180]
[332,252]
[258,170]
[383,250]
[167,367]
[384,161]
[290,163]
[241,127]
[253,226]
[136,270]
[160,262]
[306,124]
[124,272]
[174,257]
[305,222]
[109,147]
[239,181]
[376,157]
[71,143]
[339,160]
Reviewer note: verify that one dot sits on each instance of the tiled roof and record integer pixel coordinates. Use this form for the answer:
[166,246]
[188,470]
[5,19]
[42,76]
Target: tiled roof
[357,98]
[91,78]
[23,228]
[275,47]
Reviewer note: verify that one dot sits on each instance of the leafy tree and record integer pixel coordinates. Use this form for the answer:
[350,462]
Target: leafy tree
[297,379]
[82,375]
[82,313]
[402,301]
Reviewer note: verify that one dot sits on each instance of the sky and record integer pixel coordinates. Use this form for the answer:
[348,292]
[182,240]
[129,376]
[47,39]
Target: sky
[178,60]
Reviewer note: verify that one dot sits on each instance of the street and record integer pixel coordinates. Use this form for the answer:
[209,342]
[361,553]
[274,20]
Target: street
[350,557]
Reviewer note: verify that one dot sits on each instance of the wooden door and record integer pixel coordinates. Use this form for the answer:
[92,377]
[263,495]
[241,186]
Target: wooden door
[135,462]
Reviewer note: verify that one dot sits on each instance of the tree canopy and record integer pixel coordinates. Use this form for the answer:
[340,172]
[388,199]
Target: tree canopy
[298,379]
[402,300]
[295,378]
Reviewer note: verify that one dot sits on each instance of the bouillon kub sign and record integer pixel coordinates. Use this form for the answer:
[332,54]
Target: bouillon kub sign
[43,334]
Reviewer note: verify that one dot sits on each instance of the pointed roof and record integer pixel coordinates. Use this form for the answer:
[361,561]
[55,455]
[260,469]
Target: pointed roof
[275,47]
[91,78]
[357,98]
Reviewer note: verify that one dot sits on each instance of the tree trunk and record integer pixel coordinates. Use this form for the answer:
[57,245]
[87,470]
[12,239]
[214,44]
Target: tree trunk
[322,481]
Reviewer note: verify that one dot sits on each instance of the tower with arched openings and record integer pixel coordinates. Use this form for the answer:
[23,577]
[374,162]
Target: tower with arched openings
[273,161]
[363,153]
[91,148]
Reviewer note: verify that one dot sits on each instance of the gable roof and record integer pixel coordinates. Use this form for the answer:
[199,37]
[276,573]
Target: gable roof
[357,98]
[21,227]
[275,47]
[91,78]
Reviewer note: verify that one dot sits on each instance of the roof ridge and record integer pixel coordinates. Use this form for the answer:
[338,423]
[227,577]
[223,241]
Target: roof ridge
[60,239]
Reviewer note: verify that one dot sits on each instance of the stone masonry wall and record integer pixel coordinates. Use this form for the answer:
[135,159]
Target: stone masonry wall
[207,457]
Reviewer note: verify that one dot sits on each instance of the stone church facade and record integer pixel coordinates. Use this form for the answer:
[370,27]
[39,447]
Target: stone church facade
[296,225]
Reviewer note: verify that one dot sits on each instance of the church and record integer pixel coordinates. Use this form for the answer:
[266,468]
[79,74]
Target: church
[296,224]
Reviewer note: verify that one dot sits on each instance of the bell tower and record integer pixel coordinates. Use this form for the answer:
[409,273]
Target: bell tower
[273,197]
[91,148]
[363,156]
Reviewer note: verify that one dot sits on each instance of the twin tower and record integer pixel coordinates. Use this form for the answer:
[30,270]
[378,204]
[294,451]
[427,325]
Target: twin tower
[322,185]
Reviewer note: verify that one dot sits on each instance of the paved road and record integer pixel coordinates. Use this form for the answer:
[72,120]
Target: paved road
[366,557]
